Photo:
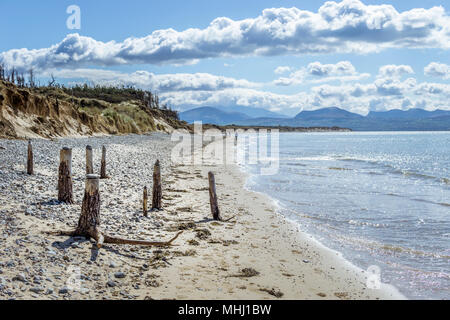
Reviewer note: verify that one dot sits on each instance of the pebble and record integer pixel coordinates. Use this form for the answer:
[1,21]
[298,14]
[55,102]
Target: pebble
[43,261]
[63,290]
[111,283]
[37,289]
[20,277]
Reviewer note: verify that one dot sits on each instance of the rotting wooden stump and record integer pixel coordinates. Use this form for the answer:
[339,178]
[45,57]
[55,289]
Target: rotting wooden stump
[103,164]
[144,202]
[30,169]
[65,192]
[89,162]
[89,221]
[213,197]
[157,192]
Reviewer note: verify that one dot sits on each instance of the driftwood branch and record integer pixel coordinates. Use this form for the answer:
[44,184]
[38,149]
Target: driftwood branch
[89,221]
[109,239]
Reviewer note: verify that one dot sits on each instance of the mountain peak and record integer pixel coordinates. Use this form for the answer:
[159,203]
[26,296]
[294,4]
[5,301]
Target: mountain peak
[327,113]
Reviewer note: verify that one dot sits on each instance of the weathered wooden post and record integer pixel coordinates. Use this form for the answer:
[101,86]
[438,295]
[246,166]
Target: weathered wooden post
[30,158]
[89,165]
[213,197]
[65,193]
[103,164]
[157,192]
[145,201]
[89,221]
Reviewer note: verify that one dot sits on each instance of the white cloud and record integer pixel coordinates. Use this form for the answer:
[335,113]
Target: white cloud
[394,71]
[201,89]
[345,27]
[325,70]
[236,97]
[435,69]
[317,72]
[382,94]
[154,82]
[282,69]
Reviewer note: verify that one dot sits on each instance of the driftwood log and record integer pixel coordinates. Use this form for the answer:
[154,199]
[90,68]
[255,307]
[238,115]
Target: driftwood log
[30,169]
[103,164]
[89,161]
[213,197]
[144,202]
[157,192]
[65,192]
[89,221]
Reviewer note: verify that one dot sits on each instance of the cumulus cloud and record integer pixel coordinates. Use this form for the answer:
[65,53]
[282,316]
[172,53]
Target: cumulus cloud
[317,72]
[394,71]
[325,70]
[282,69]
[235,97]
[154,82]
[435,69]
[382,94]
[349,26]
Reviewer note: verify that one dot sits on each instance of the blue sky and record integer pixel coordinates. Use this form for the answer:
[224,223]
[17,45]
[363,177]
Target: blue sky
[213,68]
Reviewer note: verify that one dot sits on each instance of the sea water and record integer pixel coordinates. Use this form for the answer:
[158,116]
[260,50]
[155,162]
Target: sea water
[380,198]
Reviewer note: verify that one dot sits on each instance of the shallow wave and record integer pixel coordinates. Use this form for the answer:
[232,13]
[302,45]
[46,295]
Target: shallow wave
[391,249]
[432,202]
[365,223]
[317,158]
[395,170]
[340,169]
[415,252]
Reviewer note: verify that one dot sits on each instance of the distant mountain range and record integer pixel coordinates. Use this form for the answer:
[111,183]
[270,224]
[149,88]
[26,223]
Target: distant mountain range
[217,116]
[392,120]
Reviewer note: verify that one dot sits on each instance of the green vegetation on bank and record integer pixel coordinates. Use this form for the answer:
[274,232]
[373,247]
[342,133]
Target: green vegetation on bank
[58,110]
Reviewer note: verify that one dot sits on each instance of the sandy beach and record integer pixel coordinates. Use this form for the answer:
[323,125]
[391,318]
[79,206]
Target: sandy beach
[258,254]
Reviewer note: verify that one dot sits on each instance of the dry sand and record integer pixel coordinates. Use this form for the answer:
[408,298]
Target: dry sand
[256,255]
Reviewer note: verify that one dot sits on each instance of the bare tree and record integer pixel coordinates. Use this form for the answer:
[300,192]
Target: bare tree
[2,71]
[52,82]
[31,78]
[13,75]
[20,80]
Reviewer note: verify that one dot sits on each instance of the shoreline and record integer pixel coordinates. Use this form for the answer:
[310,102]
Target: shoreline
[333,275]
[391,290]
[256,255]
